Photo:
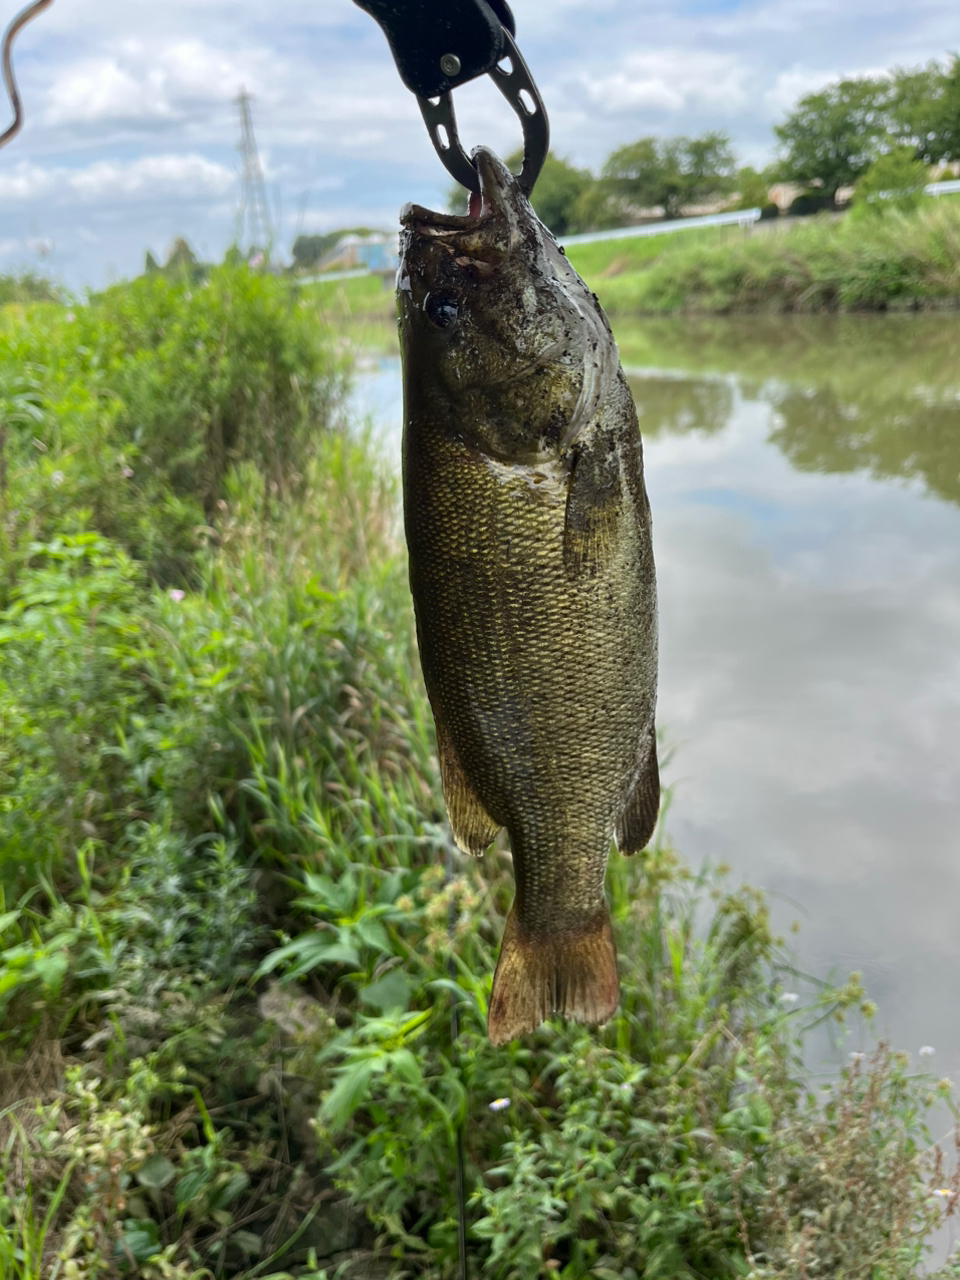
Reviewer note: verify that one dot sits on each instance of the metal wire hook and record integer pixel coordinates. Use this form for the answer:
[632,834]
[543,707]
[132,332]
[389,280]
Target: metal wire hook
[9,80]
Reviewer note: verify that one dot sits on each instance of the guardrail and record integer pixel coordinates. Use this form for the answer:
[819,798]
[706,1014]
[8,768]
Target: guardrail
[738,218]
[943,188]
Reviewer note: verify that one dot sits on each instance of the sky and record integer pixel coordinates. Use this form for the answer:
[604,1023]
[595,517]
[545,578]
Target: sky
[132,126]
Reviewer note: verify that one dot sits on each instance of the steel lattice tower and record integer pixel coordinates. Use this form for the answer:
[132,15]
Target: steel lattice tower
[254,213]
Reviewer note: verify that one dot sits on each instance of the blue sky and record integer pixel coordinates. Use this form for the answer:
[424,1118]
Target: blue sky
[131,126]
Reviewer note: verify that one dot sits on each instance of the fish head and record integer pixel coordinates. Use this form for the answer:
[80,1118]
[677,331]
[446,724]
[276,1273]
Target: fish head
[495,319]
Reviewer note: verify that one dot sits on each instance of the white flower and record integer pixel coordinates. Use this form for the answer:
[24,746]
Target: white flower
[626,1088]
[927,1051]
[127,473]
[499,1104]
[176,594]
[789,998]
[57,479]
[856,1057]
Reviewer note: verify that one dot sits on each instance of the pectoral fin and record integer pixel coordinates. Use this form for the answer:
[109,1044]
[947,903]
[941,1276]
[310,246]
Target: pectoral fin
[473,828]
[594,503]
[638,820]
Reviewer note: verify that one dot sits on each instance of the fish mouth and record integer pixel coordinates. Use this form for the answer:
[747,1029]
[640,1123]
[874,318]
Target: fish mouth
[498,201]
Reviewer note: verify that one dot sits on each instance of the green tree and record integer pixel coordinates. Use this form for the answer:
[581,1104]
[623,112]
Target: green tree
[671,172]
[752,189]
[925,110]
[895,180]
[832,137]
[558,191]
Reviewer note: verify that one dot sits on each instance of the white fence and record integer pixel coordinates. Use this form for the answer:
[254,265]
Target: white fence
[739,218]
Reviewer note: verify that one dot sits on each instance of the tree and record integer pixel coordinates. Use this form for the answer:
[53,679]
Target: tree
[832,137]
[752,189]
[671,172]
[925,110]
[557,191]
[895,180]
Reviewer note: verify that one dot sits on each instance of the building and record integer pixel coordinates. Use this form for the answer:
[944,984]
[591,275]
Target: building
[379,251]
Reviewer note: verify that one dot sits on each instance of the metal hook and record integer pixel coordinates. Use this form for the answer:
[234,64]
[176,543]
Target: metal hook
[517,86]
[19,21]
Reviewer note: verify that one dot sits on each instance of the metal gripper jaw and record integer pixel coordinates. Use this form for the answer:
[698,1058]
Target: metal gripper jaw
[439,45]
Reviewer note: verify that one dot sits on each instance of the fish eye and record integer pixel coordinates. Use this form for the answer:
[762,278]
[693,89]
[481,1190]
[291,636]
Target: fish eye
[442,309]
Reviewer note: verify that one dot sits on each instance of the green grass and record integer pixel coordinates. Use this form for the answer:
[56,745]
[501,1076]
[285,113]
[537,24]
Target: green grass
[902,259]
[606,258]
[225,955]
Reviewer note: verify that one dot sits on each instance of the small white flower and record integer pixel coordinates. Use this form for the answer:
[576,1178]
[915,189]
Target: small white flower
[499,1104]
[789,998]
[57,479]
[127,473]
[176,594]
[69,316]
[927,1051]
[943,1192]
[856,1057]
[626,1088]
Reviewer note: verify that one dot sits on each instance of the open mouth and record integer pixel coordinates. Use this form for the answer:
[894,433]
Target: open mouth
[496,182]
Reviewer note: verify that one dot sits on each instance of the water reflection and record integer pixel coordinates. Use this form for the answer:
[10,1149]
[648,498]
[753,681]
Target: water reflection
[878,394]
[680,405]
[808,550]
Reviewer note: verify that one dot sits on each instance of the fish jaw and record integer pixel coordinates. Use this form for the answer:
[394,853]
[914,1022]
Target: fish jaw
[500,325]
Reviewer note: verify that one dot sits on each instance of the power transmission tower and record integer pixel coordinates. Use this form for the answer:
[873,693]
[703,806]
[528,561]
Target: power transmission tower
[254,213]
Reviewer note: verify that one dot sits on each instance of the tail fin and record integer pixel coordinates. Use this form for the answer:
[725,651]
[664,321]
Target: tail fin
[572,974]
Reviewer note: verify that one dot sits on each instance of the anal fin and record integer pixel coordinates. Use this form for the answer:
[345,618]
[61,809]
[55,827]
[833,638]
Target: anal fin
[638,821]
[571,973]
[473,828]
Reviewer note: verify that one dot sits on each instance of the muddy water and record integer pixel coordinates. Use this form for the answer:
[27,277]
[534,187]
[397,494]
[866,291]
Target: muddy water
[805,481]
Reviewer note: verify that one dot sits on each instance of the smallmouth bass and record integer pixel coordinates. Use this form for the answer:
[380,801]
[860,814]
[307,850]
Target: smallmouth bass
[531,569]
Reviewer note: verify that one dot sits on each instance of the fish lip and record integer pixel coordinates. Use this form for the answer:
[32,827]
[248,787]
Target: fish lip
[497,189]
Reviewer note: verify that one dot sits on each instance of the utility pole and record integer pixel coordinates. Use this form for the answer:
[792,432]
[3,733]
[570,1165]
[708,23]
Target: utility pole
[254,211]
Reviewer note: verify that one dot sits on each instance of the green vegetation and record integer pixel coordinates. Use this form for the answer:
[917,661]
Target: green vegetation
[232,925]
[897,259]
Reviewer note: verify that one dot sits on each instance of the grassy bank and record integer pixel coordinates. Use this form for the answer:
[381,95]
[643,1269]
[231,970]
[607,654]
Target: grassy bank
[232,923]
[853,263]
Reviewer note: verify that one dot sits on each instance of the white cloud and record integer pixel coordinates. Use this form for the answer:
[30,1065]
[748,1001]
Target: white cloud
[790,86]
[136,81]
[151,177]
[668,80]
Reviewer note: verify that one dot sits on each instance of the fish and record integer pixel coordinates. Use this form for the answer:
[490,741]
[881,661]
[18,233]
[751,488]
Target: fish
[531,568]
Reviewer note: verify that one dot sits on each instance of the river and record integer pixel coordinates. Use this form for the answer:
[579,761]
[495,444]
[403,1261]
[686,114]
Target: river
[804,474]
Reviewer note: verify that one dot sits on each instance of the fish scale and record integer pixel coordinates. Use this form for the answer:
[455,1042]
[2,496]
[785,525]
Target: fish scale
[532,577]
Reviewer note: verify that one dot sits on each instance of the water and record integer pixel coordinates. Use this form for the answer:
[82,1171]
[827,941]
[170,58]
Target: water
[804,475]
